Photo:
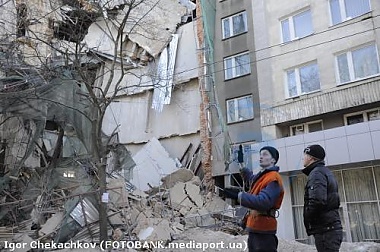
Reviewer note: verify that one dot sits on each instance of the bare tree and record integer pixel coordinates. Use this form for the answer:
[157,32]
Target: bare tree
[47,43]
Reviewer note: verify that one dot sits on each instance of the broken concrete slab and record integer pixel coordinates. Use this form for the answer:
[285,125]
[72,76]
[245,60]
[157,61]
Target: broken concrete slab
[145,233]
[196,181]
[115,218]
[22,239]
[153,229]
[180,175]
[51,224]
[118,195]
[152,163]
[139,193]
[202,218]
[193,192]
[216,204]
[178,196]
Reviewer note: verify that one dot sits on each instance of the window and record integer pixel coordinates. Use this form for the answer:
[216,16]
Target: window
[308,127]
[363,116]
[69,174]
[237,65]
[302,80]
[357,64]
[234,25]
[359,191]
[297,26]
[342,10]
[240,109]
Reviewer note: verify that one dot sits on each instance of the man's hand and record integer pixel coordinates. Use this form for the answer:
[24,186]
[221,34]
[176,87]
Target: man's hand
[231,193]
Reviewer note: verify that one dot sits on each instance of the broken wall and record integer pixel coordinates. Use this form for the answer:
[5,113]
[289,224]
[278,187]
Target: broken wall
[17,134]
[136,122]
[7,14]
[150,25]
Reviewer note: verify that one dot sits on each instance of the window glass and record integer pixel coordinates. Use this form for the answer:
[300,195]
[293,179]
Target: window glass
[373,115]
[342,10]
[240,109]
[285,30]
[365,61]
[335,12]
[234,25]
[302,24]
[355,119]
[303,80]
[309,76]
[292,85]
[228,68]
[231,110]
[245,108]
[298,26]
[356,8]
[313,127]
[236,66]
[226,28]
[344,73]
[242,64]
[239,24]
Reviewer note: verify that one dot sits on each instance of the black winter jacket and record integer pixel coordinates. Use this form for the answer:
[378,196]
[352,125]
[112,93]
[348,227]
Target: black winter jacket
[321,200]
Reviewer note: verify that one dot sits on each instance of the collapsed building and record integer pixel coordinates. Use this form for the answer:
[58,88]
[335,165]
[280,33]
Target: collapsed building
[85,86]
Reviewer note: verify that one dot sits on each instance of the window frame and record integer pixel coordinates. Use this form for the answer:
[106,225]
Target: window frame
[343,14]
[236,109]
[305,126]
[298,80]
[233,68]
[231,24]
[363,112]
[292,30]
[350,63]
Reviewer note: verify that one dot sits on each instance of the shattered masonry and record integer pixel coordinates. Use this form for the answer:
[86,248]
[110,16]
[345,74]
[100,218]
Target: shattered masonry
[48,175]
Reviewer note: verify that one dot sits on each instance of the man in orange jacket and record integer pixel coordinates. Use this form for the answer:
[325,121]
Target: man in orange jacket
[263,200]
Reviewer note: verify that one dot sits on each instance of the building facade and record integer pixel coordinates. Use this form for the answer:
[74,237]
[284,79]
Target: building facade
[318,81]
[237,120]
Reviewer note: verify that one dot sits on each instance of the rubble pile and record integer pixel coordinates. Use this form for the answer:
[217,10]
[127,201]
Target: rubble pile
[162,213]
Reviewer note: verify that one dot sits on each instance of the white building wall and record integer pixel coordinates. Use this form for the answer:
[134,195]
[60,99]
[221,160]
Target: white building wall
[137,122]
[344,145]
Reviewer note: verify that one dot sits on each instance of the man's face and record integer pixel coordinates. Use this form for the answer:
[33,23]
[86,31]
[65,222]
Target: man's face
[266,159]
[307,159]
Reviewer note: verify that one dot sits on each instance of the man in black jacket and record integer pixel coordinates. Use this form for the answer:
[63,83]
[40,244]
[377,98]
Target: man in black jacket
[321,201]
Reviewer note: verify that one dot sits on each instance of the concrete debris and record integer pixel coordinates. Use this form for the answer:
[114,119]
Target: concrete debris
[117,192]
[117,234]
[152,163]
[51,224]
[153,229]
[192,191]
[22,239]
[181,175]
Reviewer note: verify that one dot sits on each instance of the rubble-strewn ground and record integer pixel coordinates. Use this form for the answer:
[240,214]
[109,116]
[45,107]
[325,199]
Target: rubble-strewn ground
[177,215]
[208,236]
[200,235]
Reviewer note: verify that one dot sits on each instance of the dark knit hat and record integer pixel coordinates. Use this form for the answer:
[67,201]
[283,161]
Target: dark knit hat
[316,151]
[273,151]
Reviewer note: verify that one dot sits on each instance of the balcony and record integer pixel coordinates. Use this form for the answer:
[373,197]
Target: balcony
[343,97]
